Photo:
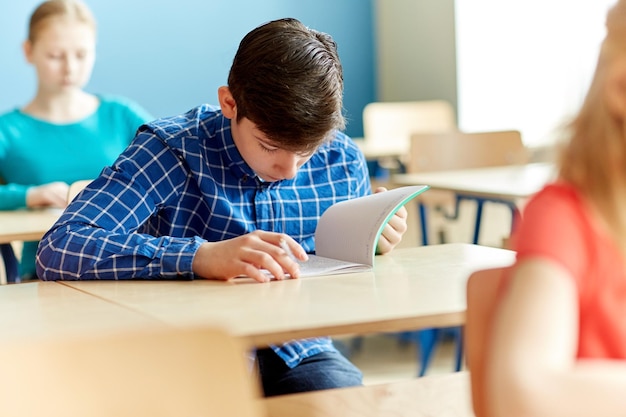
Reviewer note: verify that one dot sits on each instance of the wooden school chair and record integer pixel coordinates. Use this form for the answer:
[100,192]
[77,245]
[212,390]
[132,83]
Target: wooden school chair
[75,188]
[448,151]
[157,372]
[455,150]
[433,395]
[483,288]
[389,125]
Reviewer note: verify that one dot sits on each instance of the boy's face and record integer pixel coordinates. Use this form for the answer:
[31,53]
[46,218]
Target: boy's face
[268,161]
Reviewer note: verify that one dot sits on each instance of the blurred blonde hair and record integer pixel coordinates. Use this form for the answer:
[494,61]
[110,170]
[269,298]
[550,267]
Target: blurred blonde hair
[594,158]
[73,9]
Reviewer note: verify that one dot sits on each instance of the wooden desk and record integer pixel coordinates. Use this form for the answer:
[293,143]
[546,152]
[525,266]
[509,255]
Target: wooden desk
[513,183]
[434,395]
[49,309]
[26,225]
[21,225]
[508,185]
[409,289]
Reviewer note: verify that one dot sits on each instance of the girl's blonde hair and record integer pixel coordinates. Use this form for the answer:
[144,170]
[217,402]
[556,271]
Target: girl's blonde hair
[74,9]
[594,158]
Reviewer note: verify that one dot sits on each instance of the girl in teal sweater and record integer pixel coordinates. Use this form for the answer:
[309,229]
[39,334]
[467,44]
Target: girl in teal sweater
[63,134]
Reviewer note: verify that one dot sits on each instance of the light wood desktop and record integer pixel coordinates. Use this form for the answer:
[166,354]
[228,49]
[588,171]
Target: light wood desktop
[21,225]
[51,310]
[433,395]
[509,185]
[44,321]
[512,182]
[26,225]
[408,289]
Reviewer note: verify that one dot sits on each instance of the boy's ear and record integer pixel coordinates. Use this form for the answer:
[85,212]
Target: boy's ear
[616,90]
[227,102]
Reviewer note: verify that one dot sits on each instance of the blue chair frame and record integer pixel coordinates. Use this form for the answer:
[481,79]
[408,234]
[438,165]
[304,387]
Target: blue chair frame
[428,338]
[480,202]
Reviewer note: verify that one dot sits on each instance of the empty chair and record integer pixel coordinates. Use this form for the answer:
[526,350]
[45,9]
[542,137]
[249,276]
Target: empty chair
[160,372]
[483,288]
[455,151]
[387,127]
[75,188]
[458,151]
[461,150]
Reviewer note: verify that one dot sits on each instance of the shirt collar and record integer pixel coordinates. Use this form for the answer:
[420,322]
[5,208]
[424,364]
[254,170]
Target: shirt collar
[232,157]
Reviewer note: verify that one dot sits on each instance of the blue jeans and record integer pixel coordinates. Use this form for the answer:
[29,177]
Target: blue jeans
[322,371]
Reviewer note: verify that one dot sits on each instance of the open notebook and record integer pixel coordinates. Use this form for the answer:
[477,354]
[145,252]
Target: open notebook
[347,233]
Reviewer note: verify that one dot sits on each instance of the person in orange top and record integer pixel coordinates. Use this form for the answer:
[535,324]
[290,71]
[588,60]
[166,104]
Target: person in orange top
[558,342]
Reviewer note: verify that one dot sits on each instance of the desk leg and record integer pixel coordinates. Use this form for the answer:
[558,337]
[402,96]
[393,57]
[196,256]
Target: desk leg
[423,222]
[10,262]
[480,202]
[479,216]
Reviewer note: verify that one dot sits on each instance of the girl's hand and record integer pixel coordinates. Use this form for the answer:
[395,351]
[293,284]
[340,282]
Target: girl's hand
[53,194]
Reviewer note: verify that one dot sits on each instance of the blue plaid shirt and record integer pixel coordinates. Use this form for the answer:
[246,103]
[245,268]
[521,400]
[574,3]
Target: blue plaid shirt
[182,182]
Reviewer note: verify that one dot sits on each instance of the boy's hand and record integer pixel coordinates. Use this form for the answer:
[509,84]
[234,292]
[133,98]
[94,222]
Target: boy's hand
[257,255]
[393,231]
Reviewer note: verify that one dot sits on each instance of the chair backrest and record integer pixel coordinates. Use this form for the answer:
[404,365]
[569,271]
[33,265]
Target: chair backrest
[460,150]
[75,188]
[483,288]
[160,372]
[394,122]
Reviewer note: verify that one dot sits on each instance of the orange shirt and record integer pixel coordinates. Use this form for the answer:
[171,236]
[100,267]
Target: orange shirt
[556,225]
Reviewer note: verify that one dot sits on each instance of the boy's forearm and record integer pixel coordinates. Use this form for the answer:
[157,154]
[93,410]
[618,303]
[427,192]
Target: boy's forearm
[109,256]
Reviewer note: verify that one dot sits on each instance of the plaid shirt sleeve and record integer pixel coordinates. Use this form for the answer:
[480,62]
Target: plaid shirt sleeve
[98,235]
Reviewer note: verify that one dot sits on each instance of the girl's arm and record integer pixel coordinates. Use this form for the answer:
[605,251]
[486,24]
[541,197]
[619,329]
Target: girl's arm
[531,365]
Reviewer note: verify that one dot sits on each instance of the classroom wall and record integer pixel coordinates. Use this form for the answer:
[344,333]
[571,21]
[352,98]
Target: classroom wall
[480,56]
[416,57]
[171,56]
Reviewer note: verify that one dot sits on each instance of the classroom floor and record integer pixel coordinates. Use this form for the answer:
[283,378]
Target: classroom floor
[382,358]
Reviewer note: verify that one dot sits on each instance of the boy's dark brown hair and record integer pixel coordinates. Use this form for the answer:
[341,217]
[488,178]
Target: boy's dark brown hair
[287,79]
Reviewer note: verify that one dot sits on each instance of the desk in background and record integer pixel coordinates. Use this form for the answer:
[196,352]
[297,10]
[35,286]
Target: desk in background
[383,160]
[26,225]
[508,185]
[374,151]
[21,225]
[408,289]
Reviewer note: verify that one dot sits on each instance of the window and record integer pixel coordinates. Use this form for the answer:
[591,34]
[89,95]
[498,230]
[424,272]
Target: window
[525,65]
